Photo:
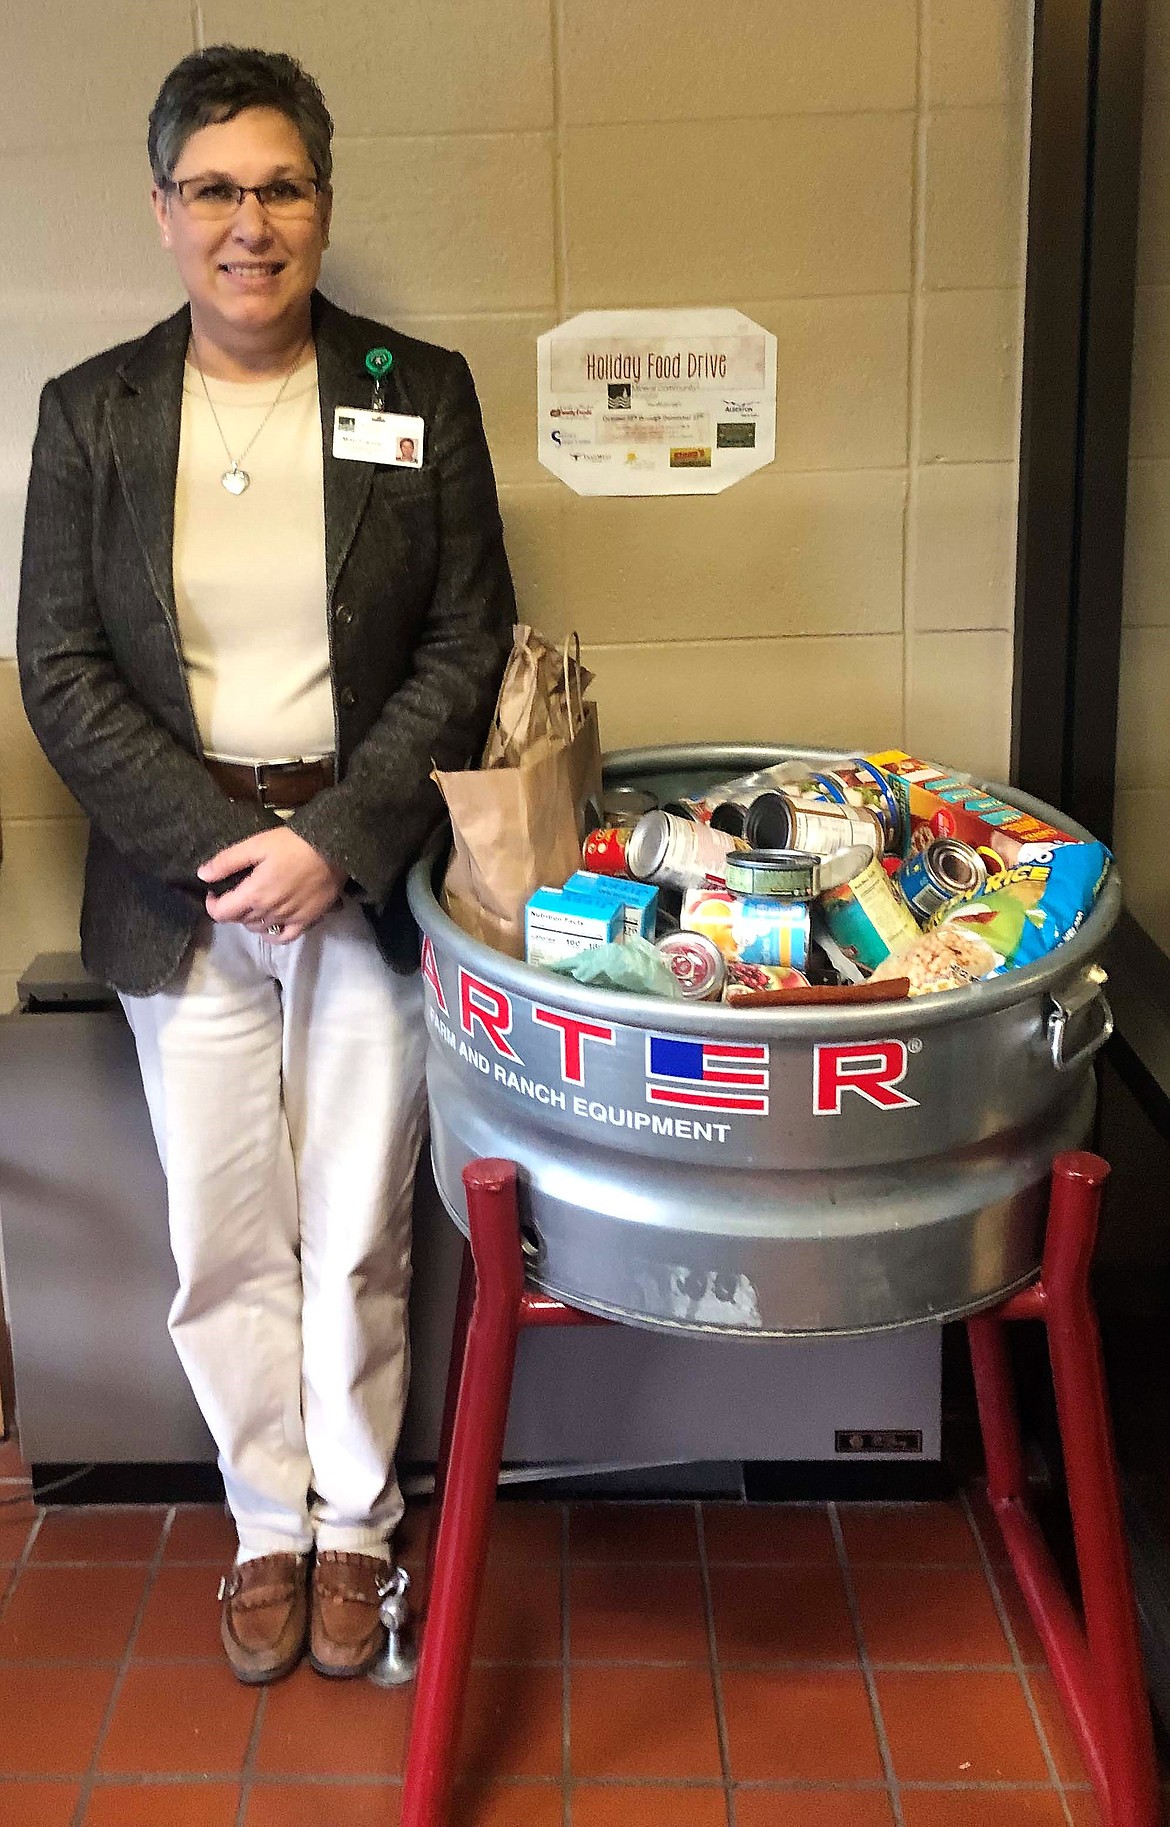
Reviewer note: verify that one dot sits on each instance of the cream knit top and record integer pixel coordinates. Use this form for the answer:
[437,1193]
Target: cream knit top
[249,571]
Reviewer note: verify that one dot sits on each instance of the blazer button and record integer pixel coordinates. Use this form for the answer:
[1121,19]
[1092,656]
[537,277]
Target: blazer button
[343,615]
[347,699]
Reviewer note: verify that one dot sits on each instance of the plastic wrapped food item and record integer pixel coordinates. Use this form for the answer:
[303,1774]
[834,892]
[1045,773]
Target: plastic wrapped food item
[629,964]
[943,958]
[1025,912]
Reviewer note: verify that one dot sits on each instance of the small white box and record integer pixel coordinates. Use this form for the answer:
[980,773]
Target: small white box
[558,924]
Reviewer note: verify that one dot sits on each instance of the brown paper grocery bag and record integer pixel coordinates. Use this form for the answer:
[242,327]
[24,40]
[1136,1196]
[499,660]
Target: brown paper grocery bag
[540,701]
[519,827]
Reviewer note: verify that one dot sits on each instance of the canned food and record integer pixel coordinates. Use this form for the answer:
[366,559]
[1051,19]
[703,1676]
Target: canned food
[753,930]
[729,816]
[865,916]
[860,783]
[626,805]
[669,850]
[604,850]
[790,875]
[720,804]
[946,869]
[697,965]
[778,821]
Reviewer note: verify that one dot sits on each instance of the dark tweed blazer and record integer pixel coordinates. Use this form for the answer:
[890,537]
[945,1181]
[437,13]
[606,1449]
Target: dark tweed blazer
[420,608]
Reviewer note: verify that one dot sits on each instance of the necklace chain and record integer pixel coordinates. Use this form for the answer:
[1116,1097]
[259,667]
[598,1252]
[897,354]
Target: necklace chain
[236,479]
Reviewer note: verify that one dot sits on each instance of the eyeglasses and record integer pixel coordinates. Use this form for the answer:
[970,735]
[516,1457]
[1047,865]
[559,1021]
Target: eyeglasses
[215,199]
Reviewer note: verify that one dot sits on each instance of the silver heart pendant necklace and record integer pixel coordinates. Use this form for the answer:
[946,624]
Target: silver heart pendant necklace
[236,478]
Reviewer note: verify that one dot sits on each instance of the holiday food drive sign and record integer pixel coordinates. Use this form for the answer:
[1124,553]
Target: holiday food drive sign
[656,402]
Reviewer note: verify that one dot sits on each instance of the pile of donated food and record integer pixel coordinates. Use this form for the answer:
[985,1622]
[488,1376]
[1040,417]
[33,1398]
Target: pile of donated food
[877,877]
[886,870]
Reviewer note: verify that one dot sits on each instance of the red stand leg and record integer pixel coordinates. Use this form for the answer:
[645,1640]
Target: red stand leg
[470,1475]
[1097,1669]
[464,1301]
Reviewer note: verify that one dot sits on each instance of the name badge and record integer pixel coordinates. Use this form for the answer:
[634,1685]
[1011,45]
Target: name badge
[360,436]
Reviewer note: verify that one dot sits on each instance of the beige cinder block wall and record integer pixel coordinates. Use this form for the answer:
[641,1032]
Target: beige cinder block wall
[849,174]
[1143,755]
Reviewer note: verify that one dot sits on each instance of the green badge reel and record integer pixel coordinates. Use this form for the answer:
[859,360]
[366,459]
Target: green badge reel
[378,364]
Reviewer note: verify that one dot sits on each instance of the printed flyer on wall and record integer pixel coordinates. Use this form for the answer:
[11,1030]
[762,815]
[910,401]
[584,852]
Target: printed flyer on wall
[656,402]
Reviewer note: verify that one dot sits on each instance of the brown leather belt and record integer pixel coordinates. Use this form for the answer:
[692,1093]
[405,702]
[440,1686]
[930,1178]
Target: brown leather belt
[276,785]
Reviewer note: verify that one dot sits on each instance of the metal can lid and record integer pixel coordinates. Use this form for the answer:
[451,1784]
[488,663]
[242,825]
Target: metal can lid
[785,875]
[647,845]
[768,824]
[957,867]
[844,865]
[623,805]
[697,964]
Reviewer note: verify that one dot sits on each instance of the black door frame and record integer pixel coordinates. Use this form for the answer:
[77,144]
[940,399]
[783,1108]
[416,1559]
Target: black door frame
[1084,165]
[1085,159]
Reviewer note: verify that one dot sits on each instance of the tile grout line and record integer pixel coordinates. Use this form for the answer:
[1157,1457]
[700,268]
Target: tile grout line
[303,1779]
[247,1768]
[90,1775]
[713,1663]
[1018,1662]
[566,1688]
[16,1571]
[775,1663]
[867,1674]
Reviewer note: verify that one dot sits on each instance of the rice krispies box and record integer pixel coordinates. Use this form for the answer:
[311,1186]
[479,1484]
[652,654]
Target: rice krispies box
[935,803]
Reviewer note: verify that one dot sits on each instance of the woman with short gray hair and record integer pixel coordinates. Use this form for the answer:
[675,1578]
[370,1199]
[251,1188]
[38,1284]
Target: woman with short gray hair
[250,626]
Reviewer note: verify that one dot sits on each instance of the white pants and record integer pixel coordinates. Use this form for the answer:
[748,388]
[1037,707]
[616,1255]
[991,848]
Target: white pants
[285,1086]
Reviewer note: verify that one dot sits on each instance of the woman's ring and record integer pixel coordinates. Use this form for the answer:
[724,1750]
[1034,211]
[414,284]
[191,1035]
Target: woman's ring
[277,926]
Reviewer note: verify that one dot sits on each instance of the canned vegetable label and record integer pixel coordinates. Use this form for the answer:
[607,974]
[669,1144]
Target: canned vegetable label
[776,821]
[675,853]
[944,871]
[753,930]
[790,875]
[867,918]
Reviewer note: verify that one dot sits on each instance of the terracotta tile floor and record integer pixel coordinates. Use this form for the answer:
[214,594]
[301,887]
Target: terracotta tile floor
[652,1665]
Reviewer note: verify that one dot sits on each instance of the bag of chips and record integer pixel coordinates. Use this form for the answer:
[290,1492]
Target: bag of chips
[1025,912]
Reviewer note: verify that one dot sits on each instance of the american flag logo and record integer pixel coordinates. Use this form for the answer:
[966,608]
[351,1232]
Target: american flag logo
[706,1075]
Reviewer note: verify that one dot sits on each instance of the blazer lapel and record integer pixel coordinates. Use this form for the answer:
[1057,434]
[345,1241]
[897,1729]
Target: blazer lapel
[144,430]
[146,418]
[341,381]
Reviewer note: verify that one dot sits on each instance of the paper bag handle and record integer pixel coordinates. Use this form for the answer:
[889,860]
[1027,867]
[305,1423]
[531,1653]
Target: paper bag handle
[572,650]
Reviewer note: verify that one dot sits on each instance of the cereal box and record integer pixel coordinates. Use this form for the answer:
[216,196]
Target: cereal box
[937,803]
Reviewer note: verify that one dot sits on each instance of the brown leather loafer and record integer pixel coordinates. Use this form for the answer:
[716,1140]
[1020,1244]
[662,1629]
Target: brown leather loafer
[346,1634]
[265,1616]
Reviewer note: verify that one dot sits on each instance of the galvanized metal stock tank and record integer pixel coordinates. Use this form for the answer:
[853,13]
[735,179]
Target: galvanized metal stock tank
[875,1166]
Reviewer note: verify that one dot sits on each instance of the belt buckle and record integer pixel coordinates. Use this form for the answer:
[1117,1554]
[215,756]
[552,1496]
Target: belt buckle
[260,773]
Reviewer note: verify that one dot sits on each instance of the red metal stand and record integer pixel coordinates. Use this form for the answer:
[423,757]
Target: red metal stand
[1097,1667]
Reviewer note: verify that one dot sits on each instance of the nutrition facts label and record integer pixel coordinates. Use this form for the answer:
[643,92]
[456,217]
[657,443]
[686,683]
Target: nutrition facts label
[656,402]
